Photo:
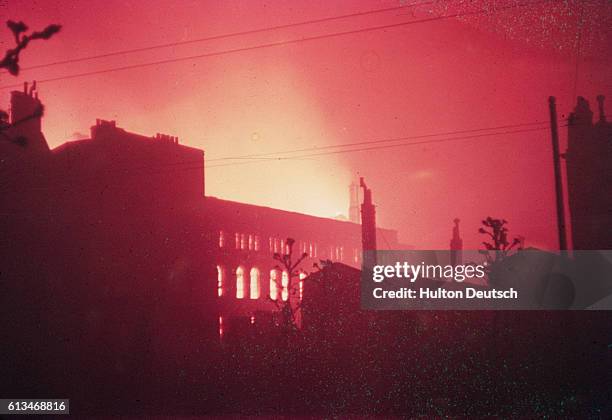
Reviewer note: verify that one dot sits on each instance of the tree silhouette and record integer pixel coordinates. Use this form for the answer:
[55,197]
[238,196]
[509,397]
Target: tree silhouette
[11,57]
[10,62]
[498,247]
[289,308]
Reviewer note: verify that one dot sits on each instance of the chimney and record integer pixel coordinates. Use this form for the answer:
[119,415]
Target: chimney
[26,109]
[105,130]
[354,203]
[456,245]
[582,115]
[368,225]
[26,115]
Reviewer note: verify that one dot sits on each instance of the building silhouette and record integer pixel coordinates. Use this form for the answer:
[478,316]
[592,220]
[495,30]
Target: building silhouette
[589,176]
[124,214]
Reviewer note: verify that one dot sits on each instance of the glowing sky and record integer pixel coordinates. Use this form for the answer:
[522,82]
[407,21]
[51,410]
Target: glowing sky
[487,70]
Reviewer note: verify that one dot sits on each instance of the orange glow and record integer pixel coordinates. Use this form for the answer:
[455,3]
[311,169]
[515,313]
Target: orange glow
[221,239]
[327,93]
[220,275]
[273,284]
[255,288]
[240,283]
[302,277]
[285,284]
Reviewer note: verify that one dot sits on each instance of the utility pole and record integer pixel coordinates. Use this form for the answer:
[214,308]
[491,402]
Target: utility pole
[554,131]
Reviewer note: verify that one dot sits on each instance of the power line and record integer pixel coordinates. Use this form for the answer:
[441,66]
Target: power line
[223,36]
[274,44]
[395,139]
[198,165]
[379,147]
[274,156]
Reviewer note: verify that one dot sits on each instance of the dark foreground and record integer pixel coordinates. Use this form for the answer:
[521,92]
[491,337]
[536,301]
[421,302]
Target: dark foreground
[523,364]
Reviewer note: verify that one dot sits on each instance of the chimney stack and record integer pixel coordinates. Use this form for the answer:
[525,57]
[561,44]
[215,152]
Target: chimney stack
[26,116]
[456,245]
[368,225]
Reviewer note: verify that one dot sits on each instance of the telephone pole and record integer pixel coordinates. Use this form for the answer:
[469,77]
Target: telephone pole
[554,131]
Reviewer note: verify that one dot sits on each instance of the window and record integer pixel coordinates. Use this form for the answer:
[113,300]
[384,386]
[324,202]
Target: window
[255,288]
[302,277]
[220,327]
[251,245]
[273,284]
[256,245]
[285,285]
[237,237]
[220,280]
[242,241]
[221,239]
[240,283]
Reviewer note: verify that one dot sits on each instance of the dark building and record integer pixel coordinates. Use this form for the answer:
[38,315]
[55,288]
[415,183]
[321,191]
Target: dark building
[125,217]
[589,176]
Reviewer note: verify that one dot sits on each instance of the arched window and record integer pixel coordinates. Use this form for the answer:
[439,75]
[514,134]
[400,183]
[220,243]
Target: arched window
[240,283]
[255,284]
[220,280]
[285,285]
[273,284]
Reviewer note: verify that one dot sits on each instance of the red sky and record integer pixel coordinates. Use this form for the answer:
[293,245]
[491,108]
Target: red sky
[466,73]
